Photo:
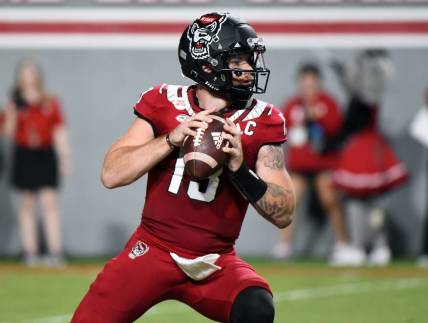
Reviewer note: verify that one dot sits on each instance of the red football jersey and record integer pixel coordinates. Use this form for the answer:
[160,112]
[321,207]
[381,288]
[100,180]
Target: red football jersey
[204,216]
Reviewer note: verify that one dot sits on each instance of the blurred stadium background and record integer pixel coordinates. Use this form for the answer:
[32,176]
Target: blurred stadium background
[98,56]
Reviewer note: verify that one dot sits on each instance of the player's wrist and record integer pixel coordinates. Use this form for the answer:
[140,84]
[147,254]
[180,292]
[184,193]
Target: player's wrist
[235,166]
[169,142]
[248,183]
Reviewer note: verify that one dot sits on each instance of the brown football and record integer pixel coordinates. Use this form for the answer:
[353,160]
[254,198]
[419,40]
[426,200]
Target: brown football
[203,154]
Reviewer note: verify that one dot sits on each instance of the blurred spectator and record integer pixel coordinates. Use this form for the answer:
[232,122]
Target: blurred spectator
[34,122]
[368,167]
[314,121]
[419,131]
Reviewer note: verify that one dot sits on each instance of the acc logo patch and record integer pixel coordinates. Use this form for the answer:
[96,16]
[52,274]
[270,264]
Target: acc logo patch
[138,250]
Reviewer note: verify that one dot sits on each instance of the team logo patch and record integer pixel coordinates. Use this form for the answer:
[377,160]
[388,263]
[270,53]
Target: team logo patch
[202,33]
[138,250]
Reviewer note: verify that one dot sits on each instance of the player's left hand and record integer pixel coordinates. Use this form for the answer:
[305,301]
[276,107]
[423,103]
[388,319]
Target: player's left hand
[234,149]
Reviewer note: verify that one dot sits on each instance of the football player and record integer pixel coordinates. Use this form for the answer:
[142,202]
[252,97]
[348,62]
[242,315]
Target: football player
[184,246]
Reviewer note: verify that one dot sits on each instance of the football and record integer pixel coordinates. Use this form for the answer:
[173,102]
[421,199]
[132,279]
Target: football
[203,154]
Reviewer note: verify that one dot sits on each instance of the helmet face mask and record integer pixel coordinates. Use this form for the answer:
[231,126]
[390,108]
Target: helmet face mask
[258,81]
[208,46]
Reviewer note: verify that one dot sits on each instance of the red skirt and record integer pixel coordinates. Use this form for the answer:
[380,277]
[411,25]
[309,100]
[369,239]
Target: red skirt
[368,166]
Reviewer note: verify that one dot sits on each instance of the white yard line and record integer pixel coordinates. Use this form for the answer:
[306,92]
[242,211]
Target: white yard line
[290,295]
[348,289]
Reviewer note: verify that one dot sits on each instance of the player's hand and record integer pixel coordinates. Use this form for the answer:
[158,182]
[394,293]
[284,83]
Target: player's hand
[234,149]
[186,128]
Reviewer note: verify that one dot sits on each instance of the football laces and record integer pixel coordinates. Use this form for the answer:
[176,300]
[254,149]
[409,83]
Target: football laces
[198,138]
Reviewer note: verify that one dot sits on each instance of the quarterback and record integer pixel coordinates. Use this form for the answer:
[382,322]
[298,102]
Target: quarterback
[184,247]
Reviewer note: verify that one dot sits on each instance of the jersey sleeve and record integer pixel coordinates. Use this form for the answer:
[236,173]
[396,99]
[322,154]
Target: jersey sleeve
[274,130]
[146,106]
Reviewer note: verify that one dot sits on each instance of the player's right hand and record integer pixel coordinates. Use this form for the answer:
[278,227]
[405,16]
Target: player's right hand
[186,128]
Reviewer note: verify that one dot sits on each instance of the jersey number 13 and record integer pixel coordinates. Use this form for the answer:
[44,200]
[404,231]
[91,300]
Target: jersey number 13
[193,191]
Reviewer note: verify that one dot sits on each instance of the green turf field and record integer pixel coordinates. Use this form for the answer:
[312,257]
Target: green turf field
[304,293]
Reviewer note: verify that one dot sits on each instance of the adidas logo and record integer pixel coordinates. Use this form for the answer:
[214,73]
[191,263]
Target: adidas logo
[218,139]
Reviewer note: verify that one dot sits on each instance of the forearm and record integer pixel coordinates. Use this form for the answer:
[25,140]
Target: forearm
[277,205]
[125,165]
[62,146]
[278,202]
[274,202]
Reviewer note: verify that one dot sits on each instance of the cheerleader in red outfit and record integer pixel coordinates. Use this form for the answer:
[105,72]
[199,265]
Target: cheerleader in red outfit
[367,167]
[314,122]
[34,122]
